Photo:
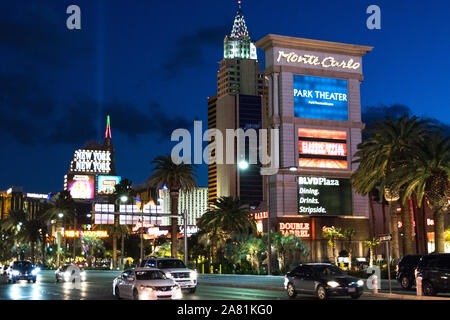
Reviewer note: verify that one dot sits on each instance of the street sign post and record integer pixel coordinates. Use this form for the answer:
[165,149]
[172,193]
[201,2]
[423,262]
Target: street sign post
[386,238]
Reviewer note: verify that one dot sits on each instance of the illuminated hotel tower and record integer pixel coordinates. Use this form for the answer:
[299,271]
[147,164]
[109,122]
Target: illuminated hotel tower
[237,104]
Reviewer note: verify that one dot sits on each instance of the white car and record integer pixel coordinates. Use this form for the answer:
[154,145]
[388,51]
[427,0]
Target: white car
[145,284]
[68,272]
[174,269]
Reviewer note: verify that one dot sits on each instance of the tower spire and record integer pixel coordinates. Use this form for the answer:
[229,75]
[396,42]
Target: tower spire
[239,45]
[108,128]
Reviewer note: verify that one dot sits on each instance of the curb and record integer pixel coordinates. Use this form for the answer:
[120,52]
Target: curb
[230,285]
[405,296]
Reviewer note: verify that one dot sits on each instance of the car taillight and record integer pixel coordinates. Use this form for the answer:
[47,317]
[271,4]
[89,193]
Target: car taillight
[416,272]
[396,268]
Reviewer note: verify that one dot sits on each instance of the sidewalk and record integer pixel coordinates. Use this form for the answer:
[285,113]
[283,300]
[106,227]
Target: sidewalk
[276,283]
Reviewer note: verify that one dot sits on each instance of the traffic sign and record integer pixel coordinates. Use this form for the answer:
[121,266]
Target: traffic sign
[385,237]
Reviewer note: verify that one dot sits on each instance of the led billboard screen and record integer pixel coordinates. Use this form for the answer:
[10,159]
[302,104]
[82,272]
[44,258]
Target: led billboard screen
[324,196]
[320,98]
[319,148]
[81,186]
[107,184]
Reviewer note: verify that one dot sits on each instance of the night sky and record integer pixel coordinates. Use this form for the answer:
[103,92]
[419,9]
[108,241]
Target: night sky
[152,64]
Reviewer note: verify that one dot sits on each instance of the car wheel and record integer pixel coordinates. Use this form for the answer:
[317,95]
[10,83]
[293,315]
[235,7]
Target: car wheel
[29,280]
[192,290]
[57,279]
[355,296]
[14,281]
[117,293]
[291,291]
[427,289]
[405,283]
[321,293]
[34,280]
[135,295]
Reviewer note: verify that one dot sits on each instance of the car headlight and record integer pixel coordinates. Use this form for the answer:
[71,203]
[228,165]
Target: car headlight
[35,271]
[168,275]
[148,288]
[15,273]
[360,283]
[194,275]
[176,287]
[333,284]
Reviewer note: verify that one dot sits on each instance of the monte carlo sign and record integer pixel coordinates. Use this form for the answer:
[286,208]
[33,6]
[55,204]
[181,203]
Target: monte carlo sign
[315,60]
[91,161]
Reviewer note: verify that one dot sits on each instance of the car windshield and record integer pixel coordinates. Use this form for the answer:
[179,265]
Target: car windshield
[22,265]
[171,264]
[329,271]
[150,275]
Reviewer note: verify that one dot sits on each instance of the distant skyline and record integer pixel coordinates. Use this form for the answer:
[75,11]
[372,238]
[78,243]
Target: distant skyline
[151,65]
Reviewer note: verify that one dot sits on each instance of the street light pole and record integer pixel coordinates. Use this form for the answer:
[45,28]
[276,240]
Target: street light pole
[185,239]
[269,243]
[58,238]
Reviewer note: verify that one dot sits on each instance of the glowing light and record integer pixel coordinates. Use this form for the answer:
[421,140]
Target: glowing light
[243,165]
[77,234]
[298,229]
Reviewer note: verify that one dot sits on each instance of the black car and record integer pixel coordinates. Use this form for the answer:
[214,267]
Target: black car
[405,271]
[435,272]
[322,280]
[22,270]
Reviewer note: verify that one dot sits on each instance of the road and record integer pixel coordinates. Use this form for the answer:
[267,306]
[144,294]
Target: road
[99,287]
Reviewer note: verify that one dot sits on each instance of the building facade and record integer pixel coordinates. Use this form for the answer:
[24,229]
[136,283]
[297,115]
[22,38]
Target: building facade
[314,101]
[15,199]
[92,171]
[237,105]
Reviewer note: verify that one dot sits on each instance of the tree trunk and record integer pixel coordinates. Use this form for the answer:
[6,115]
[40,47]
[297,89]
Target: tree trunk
[395,251]
[123,247]
[174,222]
[74,254]
[372,211]
[407,229]
[439,231]
[383,209]
[32,245]
[116,226]
[114,251]
[43,245]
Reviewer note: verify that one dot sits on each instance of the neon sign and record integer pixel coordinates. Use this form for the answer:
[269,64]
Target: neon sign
[298,229]
[80,186]
[78,234]
[91,161]
[322,148]
[310,59]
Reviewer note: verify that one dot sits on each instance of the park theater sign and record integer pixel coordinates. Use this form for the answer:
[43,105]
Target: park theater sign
[311,59]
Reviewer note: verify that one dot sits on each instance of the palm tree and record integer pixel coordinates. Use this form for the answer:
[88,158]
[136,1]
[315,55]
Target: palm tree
[116,232]
[23,229]
[427,176]
[124,188]
[64,204]
[371,244]
[332,234]
[389,147]
[31,232]
[286,247]
[348,234]
[176,177]
[230,215]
